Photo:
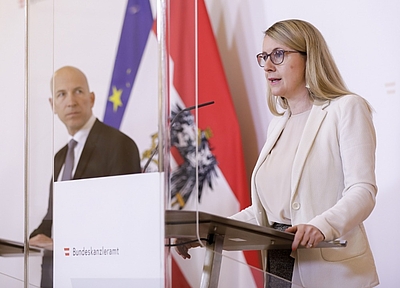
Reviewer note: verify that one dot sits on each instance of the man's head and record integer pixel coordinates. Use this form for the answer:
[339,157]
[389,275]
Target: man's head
[72,100]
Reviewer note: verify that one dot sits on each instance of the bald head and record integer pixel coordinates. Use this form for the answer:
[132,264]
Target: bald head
[72,100]
[68,71]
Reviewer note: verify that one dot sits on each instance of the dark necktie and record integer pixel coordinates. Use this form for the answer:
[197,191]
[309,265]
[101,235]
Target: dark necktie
[69,161]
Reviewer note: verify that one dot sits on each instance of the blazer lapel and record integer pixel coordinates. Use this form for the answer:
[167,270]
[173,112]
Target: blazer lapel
[59,161]
[272,138]
[314,121]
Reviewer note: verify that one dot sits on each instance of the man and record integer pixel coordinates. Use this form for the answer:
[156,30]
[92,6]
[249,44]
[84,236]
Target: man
[100,150]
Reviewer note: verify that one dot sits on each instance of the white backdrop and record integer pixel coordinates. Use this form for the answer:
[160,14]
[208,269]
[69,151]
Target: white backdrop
[363,37]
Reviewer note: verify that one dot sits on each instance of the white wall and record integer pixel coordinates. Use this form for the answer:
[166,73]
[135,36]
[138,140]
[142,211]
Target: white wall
[363,37]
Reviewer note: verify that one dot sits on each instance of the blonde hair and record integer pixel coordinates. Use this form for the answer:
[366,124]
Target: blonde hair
[322,75]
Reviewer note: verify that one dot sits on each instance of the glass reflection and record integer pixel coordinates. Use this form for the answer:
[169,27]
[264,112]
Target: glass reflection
[87,116]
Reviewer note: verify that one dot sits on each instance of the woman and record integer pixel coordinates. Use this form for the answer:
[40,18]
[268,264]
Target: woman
[315,174]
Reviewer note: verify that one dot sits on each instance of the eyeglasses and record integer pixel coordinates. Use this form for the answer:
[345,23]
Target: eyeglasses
[277,56]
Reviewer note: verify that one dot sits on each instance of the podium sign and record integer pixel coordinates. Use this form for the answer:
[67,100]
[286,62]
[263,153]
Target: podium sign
[109,232]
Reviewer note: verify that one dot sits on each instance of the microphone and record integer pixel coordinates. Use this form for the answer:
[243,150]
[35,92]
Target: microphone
[153,153]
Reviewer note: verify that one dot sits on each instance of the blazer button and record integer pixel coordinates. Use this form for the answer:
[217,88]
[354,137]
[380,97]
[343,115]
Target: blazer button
[296,205]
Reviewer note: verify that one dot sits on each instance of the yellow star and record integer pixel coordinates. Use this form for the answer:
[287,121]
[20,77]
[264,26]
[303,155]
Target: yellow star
[115,98]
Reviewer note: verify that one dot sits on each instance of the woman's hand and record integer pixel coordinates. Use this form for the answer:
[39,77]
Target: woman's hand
[306,235]
[183,245]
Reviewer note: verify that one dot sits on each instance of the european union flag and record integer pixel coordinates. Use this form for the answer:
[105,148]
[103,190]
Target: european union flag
[135,32]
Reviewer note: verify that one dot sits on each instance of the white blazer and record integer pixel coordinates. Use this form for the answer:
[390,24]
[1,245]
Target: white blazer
[333,188]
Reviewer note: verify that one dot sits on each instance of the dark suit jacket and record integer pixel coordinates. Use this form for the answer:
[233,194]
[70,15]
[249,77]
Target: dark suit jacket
[107,152]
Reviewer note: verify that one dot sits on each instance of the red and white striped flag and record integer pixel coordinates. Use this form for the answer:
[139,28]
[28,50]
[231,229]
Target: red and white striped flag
[223,186]
[224,189]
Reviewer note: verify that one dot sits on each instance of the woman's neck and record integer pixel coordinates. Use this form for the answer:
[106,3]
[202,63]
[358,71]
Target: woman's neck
[300,104]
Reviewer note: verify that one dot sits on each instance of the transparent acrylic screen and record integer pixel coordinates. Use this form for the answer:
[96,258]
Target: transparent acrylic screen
[88,35]
[208,176]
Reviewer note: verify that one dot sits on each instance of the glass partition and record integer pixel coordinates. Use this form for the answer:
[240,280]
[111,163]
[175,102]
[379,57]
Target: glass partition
[40,125]
[261,278]
[18,163]
[207,163]
[88,63]
[154,72]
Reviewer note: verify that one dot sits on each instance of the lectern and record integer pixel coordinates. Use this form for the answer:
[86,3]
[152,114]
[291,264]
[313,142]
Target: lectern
[227,234]
[100,228]
[9,248]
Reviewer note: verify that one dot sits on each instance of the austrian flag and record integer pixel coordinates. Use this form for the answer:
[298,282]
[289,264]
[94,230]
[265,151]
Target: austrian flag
[207,164]
[223,188]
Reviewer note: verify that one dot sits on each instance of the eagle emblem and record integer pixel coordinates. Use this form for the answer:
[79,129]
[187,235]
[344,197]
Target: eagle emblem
[183,147]
[183,139]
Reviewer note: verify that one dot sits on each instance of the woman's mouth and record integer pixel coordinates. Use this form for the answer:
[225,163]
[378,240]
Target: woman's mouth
[274,80]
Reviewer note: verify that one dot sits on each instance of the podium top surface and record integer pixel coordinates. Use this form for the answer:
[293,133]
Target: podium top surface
[238,235]
[10,248]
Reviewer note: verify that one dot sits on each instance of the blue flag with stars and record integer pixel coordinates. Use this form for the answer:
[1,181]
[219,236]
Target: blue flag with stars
[135,32]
